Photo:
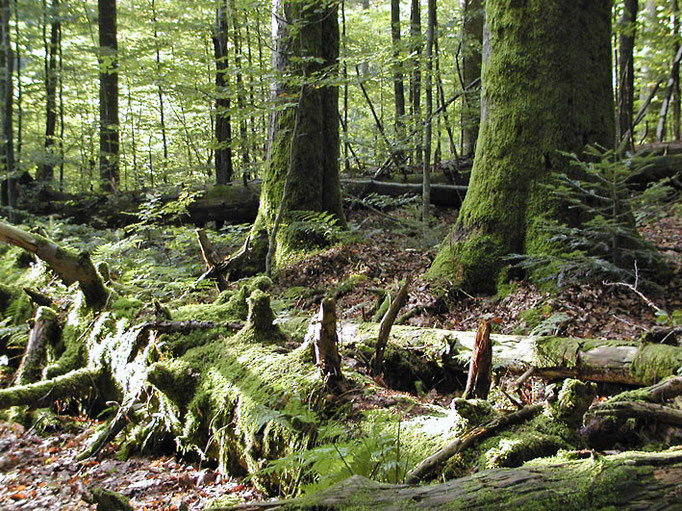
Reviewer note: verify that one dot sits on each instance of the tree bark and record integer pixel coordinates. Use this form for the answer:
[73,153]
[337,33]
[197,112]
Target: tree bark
[415,74]
[108,96]
[45,170]
[670,86]
[43,333]
[210,257]
[480,374]
[386,325]
[6,100]
[472,41]
[428,109]
[325,341]
[302,170]
[627,26]
[223,121]
[629,481]
[74,384]
[546,88]
[398,85]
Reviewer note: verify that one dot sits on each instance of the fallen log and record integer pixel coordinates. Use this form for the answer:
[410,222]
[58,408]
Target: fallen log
[441,195]
[628,481]
[74,384]
[68,265]
[623,362]
[656,169]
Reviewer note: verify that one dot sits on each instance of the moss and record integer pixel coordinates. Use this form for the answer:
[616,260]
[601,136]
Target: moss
[656,361]
[538,98]
[108,500]
[571,403]
[218,312]
[347,285]
[535,315]
[124,307]
[175,378]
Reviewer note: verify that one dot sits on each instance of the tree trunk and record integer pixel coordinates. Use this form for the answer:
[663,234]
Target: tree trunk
[670,87]
[302,170]
[627,26]
[223,122]
[6,99]
[398,85]
[43,333]
[472,42]
[546,87]
[416,75]
[630,481]
[45,170]
[428,109]
[108,96]
[676,86]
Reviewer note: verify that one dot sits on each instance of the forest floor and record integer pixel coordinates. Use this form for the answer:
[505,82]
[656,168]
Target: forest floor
[38,468]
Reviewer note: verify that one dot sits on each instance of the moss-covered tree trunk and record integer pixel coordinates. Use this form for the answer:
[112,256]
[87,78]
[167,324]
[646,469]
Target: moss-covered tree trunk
[303,140]
[546,81]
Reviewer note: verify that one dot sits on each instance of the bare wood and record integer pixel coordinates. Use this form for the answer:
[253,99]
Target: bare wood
[210,258]
[386,325]
[44,332]
[481,364]
[325,341]
[430,464]
[70,267]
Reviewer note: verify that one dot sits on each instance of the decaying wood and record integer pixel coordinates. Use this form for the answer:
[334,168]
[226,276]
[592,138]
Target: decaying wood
[386,325]
[325,341]
[624,362]
[43,333]
[628,481]
[650,412]
[210,258]
[74,384]
[481,364]
[70,267]
[436,460]
[664,390]
[124,415]
[38,298]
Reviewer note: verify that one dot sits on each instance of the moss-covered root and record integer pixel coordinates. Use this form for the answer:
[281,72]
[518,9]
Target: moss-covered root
[107,500]
[75,384]
[624,481]
[260,326]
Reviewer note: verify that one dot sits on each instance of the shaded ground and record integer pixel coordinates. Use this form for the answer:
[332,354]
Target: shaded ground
[38,472]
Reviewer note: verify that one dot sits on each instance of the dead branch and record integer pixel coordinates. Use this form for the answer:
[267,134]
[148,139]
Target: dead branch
[480,365]
[386,325]
[210,258]
[430,464]
[44,332]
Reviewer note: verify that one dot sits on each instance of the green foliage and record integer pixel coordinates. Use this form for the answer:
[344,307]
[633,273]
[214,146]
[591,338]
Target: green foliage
[373,452]
[602,242]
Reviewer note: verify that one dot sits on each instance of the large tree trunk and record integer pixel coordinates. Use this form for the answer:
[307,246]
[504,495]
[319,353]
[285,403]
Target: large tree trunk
[626,69]
[632,481]
[546,87]
[302,170]
[223,122]
[108,96]
[472,42]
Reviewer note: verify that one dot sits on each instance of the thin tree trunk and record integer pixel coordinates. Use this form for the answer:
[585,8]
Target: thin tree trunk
[6,99]
[45,170]
[428,108]
[162,110]
[675,69]
[223,124]
[20,90]
[108,96]
[415,75]
[676,76]
[240,90]
[626,45]
[398,85]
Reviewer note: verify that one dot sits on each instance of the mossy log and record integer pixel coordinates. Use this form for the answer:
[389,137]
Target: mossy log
[75,384]
[629,481]
[656,169]
[70,267]
[615,361]
[450,196]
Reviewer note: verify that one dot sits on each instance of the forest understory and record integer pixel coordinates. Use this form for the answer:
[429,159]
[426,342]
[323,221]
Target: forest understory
[38,467]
